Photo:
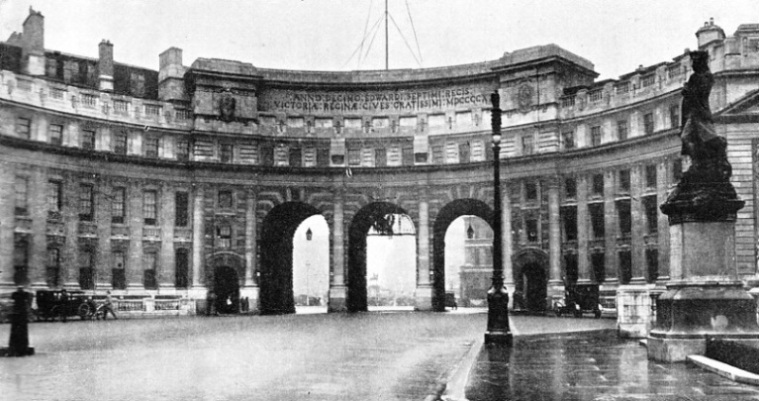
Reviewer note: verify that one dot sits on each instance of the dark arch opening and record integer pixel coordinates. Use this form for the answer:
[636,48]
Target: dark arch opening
[276,280]
[446,216]
[531,280]
[359,228]
[226,287]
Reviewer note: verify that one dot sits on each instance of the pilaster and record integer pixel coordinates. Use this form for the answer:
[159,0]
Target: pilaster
[37,201]
[662,187]
[583,218]
[197,237]
[7,223]
[167,221]
[611,231]
[554,235]
[337,290]
[423,289]
[134,268]
[638,218]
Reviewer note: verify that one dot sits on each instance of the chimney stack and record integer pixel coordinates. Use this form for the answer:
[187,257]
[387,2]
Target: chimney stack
[105,66]
[33,43]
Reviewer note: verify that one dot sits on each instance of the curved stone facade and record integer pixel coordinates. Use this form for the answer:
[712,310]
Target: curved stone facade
[149,182]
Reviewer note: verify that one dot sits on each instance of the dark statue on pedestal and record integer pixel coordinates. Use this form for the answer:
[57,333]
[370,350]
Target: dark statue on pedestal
[704,191]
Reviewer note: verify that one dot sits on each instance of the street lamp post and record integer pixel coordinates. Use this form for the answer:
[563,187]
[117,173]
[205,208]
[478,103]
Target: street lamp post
[498,332]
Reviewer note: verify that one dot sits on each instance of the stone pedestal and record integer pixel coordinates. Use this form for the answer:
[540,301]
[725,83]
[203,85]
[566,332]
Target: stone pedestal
[423,298]
[634,310]
[337,299]
[705,300]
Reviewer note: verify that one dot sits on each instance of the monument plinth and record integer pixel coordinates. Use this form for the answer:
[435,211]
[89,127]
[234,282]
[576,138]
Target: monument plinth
[704,300]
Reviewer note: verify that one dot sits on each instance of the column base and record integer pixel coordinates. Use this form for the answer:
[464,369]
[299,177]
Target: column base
[337,299]
[634,312]
[688,314]
[423,299]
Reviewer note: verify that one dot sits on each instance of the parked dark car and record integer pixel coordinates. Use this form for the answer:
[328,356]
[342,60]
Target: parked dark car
[579,299]
[50,306]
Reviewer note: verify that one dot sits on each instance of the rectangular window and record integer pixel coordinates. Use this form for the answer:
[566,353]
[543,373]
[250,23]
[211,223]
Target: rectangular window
[181,206]
[21,189]
[182,269]
[527,145]
[568,138]
[622,130]
[86,273]
[152,110]
[226,153]
[21,262]
[88,140]
[225,199]
[120,142]
[570,188]
[652,264]
[24,128]
[118,269]
[183,150]
[674,116]
[86,200]
[55,133]
[596,211]
[224,236]
[88,100]
[53,267]
[599,266]
[54,203]
[647,80]
[651,176]
[651,209]
[625,219]
[569,218]
[532,230]
[118,200]
[624,181]
[625,266]
[531,191]
[150,207]
[150,264]
[595,135]
[151,147]
[648,123]
[598,185]
[120,107]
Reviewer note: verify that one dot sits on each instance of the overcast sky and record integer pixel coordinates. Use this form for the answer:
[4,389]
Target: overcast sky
[615,35]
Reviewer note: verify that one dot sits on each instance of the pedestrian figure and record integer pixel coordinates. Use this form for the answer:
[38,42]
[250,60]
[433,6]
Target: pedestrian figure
[211,304]
[63,309]
[108,306]
[18,345]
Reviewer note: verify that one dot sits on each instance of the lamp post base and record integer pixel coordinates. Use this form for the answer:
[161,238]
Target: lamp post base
[498,333]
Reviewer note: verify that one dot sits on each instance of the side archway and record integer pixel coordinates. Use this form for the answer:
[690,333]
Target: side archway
[359,228]
[276,281]
[227,268]
[446,216]
[531,279]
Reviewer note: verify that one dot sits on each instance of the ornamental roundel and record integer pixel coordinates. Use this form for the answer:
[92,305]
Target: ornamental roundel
[523,97]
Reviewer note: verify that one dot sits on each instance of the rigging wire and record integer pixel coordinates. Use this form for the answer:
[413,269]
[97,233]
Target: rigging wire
[416,39]
[366,25]
[405,41]
[360,47]
[372,41]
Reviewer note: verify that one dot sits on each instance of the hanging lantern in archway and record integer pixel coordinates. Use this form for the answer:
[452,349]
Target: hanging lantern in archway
[309,234]
[470,231]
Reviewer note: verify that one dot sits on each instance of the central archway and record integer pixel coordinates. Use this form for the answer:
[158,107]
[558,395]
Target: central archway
[531,280]
[446,216]
[359,228]
[276,281]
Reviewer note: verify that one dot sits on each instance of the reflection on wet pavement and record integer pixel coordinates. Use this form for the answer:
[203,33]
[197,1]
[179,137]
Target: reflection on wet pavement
[596,366]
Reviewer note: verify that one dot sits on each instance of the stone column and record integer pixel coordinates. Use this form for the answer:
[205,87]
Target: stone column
[7,224]
[134,268]
[554,235]
[37,248]
[251,290]
[197,241]
[423,287]
[70,214]
[583,265]
[638,217]
[167,221]
[611,231]
[337,290]
[102,216]
[662,186]
[507,240]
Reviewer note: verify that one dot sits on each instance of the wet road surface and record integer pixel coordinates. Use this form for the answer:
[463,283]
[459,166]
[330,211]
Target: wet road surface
[594,366]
